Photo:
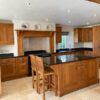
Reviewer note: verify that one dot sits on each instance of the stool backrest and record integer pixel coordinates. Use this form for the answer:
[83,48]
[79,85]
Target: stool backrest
[33,62]
[39,64]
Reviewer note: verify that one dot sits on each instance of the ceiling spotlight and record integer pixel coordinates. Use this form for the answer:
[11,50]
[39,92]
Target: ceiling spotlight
[28,4]
[46,19]
[95,15]
[68,10]
[87,23]
[69,21]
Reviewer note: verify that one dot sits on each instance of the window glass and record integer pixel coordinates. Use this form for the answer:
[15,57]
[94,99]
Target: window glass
[63,44]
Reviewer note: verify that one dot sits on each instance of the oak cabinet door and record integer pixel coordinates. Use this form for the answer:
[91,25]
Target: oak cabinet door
[90,34]
[22,66]
[78,35]
[69,76]
[83,35]
[6,34]
[9,33]
[8,69]
[92,69]
[58,34]
[82,70]
[3,36]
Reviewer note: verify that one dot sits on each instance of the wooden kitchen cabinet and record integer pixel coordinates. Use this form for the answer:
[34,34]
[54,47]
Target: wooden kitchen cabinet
[92,70]
[6,34]
[69,76]
[90,34]
[78,35]
[83,35]
[96,42]
[12,68]
[8,69]
[22,66]
[75,75]
[58,34]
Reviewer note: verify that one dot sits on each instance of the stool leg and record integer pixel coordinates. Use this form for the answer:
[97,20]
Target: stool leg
[33,78]
[43,88]
[49,79]
[55,84]
[38,83]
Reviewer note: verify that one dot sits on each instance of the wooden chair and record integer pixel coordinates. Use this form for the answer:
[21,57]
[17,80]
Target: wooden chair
[48,77]
[33,65]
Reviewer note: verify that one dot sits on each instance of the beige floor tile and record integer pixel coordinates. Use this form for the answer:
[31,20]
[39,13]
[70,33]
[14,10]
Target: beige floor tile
[21,89]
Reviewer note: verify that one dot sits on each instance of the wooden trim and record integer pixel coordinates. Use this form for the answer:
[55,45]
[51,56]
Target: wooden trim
[52,43]
[20,43]
[29,33]
[96,1]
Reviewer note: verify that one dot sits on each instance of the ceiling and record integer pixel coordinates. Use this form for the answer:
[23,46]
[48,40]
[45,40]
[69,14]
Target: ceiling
[65,12]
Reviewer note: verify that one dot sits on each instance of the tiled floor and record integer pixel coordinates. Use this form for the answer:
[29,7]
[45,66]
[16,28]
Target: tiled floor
[21,89]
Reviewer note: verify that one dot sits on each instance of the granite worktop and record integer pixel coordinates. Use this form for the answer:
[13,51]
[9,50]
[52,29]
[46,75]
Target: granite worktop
[59,59]
[9,55]
[73,50]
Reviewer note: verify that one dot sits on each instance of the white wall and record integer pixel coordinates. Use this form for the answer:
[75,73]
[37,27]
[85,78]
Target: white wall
[88,45]
[17,25]
[36,43]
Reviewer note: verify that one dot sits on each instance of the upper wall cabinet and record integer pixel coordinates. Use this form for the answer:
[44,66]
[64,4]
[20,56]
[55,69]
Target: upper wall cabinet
[83,35]
[96,1]
[58,33]
[6,34]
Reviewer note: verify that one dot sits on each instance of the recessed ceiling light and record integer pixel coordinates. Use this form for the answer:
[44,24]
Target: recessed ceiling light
[95,15]
[15,16]
[87,23]
[68,10]
[46,19]
[69,21]
[28,3]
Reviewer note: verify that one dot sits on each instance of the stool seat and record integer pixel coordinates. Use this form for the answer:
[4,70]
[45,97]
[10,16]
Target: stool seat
[48,71]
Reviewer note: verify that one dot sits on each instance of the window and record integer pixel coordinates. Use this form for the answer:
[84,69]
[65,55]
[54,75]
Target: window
[63,44]
[67,41]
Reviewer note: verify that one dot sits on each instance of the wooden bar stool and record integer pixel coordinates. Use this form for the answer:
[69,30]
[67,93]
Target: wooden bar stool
[33,65]
[48,76]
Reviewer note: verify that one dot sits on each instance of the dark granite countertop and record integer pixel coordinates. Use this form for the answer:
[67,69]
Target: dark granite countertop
[8,55]
[73,50]
[56,59]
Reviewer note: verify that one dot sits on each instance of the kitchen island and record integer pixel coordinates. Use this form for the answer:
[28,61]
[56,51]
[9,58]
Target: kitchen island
[73,71]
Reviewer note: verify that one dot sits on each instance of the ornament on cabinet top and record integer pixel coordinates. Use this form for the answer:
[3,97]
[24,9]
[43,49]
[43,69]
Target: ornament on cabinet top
[49,27]
[25,26]
[37,27]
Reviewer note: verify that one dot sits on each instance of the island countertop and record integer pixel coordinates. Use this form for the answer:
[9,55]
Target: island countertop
[59,59]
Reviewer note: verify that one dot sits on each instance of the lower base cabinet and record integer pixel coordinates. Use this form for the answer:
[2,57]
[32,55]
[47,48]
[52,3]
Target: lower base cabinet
[75,75]
[12,68]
